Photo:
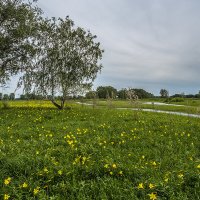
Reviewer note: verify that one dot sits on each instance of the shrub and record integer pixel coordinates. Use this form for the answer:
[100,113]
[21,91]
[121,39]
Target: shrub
[177,99]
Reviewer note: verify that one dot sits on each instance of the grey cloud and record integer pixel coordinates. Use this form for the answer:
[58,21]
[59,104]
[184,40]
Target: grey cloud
[148,43]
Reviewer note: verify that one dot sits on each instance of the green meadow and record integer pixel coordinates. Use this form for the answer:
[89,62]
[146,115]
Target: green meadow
[189,106]
[100,153]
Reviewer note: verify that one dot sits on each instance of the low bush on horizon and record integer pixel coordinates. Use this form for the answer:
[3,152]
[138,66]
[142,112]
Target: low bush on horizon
[176,99]
[85,153]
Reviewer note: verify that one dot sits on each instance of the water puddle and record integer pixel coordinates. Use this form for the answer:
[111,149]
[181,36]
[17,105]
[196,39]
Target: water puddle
[153,110]
[163,111]
[160,104]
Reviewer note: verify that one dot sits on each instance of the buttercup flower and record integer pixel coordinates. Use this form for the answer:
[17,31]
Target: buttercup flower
[24,185]
[6,197]
[7,181]
[152,196]
[140,186]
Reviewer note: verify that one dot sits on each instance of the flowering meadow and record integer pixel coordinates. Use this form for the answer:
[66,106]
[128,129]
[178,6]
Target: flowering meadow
[84,153]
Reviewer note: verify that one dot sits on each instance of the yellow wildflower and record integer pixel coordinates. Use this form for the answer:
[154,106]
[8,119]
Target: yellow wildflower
[140,186]
[6,196]
[166,179]
[106,166]
[151,185]
[114,166]
[7,181]
[180,175]
[24,185]
[46,170]
[120,172]
[83,160]
[152,196]
[154,163]
[60,172]
[36,190]
[198,166]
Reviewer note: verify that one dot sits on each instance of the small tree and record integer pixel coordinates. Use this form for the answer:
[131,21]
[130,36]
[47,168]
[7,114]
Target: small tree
[12,96]
[90,95]
[67,62]
[164,93]
[22,97]
[133,98]
[1,96]
[121,94]
[106,91]
[131,95]
[5,97]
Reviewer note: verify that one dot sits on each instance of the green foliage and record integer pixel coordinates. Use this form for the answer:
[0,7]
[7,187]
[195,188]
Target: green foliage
[22,97]
[69,60]
[121,94]
[177,99]
[86,153]
[18,32]
[91,95]
[174,100]
[164,93]
[31,96]
[141,93]
[5,97]
[12,96]
[53,55]
[106,92]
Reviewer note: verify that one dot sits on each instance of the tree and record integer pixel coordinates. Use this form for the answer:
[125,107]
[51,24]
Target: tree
[19,28]
[164,93]
[91,95]
[121,94]
[12,96]
[106,92]
[22,97]
[68,60]
[1,96]
[141,93]
[5,97]
[131,95]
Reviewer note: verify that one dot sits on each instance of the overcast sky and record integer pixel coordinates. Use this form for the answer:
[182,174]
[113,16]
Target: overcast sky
[149,44]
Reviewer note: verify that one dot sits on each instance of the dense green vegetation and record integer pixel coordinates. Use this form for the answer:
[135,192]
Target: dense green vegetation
[85,153]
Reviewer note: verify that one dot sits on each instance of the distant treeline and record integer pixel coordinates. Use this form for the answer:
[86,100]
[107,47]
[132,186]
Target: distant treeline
[104,92]
[186,96]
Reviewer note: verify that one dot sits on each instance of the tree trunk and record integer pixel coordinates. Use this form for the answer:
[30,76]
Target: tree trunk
[61,106]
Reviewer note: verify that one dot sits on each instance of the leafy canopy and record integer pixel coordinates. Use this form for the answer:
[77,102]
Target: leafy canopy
[18,32]
[68,59]
[52,55]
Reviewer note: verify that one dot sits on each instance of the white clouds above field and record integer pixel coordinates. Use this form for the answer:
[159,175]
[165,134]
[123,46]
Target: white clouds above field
[151,44]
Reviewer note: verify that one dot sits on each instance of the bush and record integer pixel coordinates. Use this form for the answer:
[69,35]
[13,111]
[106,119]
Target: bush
[177,99]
